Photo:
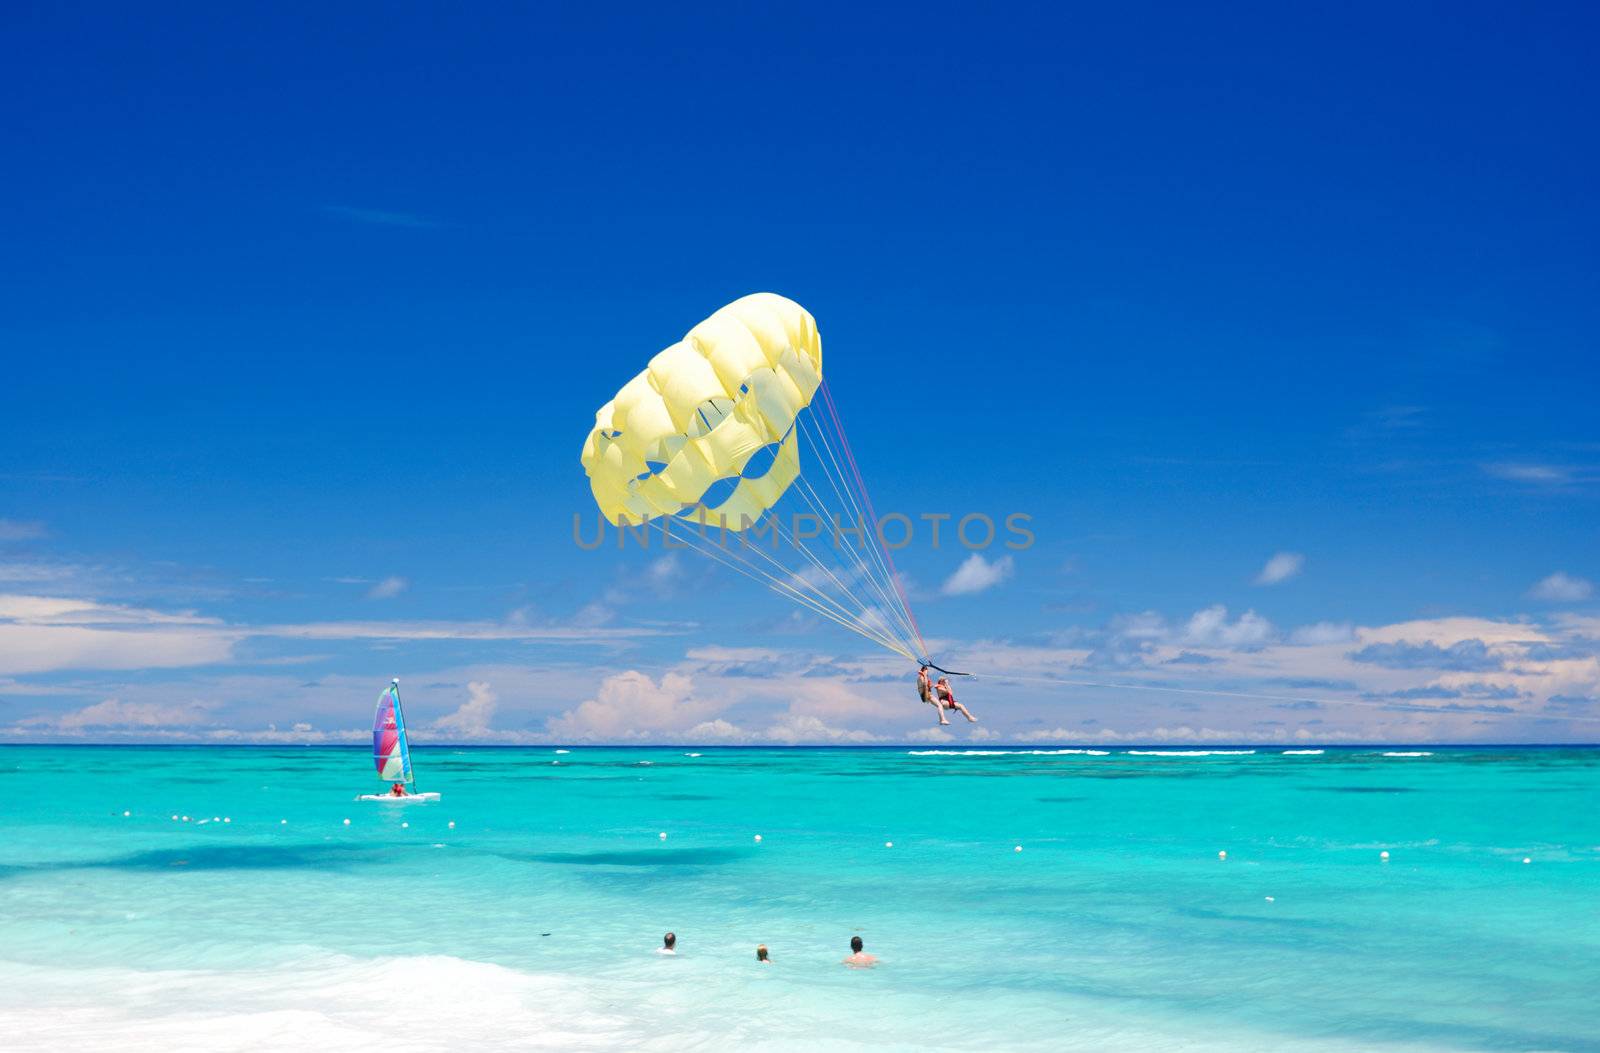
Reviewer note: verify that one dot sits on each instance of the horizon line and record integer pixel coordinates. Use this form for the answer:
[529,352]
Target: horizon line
[825,746]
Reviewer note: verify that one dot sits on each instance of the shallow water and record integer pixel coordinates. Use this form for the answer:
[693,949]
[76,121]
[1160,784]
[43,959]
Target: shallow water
[532,922]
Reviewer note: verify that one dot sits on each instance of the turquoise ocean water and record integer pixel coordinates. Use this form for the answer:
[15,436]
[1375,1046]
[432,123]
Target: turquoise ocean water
[265,921]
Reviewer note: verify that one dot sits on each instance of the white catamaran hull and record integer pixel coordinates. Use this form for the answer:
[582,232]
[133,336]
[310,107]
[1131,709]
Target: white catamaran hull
[407,799]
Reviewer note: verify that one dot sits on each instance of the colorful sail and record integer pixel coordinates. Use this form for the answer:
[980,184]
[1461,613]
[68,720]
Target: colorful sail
[390,751]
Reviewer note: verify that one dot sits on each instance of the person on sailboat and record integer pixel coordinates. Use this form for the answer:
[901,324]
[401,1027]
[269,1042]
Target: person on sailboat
[948,700]
[398,790]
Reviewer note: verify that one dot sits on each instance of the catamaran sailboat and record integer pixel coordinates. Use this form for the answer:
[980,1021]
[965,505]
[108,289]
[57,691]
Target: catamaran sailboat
[390,750]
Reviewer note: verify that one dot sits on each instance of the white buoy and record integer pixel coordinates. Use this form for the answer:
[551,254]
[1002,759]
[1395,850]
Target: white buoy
[1383,855]
[227,819]
[758,839]
[283,822]
[888,844]
[126,814]
[216,818]
[1525,859]
[452,824]
[405,826]
[347,822]
[1270,899]
[1222,855]
[663,835]
[186,818]
[1017,849]
[174,818]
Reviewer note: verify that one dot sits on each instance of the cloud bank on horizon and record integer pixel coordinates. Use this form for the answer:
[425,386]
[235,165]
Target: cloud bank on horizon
[75,670]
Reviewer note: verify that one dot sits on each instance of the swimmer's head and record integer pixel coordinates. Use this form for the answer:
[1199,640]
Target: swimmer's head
[670,940]
[761,952]
[855,944]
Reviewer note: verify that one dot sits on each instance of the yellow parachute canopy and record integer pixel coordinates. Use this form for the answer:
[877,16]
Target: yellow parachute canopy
[710,432]
[702,410]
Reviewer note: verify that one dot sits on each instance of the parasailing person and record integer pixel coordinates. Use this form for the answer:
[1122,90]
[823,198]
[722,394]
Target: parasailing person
[947,700]
[925,691]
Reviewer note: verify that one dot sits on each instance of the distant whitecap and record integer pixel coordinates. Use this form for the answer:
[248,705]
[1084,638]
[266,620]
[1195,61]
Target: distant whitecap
[1190,753]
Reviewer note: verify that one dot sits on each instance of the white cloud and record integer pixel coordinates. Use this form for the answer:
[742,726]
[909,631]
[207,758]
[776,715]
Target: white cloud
[718,730]
[1533,474]
[664,574]
[1210,627]
[978,574]
[1323,633]
[472,719]
[55,610]
[593,615]
[40,634]
[632,706]
[1281,567]
[114,713]
[21,530]
[1147,625]
[423,630]
[1561,587]
[798,728]
[388,588]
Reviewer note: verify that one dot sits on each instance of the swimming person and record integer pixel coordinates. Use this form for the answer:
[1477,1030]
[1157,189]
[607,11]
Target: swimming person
[761,954]
[949,700]
[669,944]
[859,959]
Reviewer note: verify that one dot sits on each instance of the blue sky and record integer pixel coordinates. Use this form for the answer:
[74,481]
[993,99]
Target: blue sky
[296,307]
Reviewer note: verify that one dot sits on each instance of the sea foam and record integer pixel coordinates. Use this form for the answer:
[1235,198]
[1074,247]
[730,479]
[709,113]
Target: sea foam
[1006,753]
[329,1002]
[1190,753]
